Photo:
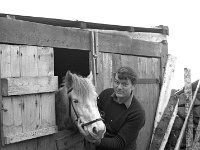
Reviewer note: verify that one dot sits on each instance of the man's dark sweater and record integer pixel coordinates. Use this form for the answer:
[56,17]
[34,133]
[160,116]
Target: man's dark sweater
[122,124]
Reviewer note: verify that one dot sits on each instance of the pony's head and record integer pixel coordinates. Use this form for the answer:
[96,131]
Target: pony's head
[82,99]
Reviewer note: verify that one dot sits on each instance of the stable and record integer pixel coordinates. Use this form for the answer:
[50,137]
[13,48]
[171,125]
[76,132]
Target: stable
[37,52]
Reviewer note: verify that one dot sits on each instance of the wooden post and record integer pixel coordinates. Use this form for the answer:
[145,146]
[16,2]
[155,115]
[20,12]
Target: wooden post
[96,39]
[93,57]
[186,119]
[188,93]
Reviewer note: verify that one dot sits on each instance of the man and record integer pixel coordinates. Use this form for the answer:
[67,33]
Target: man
[123,114]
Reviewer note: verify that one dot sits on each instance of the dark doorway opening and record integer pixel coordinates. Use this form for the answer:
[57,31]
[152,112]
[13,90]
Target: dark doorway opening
[77,61]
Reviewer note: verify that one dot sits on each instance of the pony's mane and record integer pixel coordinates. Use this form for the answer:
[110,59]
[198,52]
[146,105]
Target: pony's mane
[82,87]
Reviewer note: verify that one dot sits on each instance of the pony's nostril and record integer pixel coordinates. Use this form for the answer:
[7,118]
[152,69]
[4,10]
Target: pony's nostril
[94,130]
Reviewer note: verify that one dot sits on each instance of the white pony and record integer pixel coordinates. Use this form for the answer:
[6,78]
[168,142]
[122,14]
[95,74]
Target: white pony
[77,100]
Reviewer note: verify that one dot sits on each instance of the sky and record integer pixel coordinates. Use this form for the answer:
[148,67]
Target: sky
[181,16]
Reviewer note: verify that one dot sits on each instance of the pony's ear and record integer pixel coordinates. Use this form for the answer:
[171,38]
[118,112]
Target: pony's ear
[90,76]
[68,80]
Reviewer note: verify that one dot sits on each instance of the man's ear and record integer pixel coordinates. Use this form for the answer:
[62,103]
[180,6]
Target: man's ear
[90,76]
[69,80]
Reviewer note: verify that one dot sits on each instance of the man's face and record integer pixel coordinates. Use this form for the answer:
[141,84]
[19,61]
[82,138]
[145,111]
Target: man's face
[122,88]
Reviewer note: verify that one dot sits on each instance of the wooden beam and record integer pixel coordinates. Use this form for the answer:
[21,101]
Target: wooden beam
[163,129]
[30,33]
[28,85]
[188,93]
[30,135]
[116,43]
[177,147]
[166,88]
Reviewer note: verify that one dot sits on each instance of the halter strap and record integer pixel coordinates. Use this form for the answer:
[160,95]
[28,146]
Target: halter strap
[71,104]
[91,122]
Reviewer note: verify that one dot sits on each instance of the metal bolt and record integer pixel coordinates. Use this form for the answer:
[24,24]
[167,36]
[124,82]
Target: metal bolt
[5,110]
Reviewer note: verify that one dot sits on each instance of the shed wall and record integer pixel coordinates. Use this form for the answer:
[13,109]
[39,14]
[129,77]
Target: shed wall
[144,52]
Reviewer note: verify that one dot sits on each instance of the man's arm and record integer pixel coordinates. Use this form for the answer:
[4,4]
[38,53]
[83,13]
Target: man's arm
[111,143]
[130,130]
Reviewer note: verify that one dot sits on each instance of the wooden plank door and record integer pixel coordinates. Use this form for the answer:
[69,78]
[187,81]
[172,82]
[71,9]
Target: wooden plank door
[28,97]
[147,90]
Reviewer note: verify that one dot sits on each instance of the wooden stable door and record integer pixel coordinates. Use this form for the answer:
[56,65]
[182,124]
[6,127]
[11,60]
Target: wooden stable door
[147,88]
[28,88]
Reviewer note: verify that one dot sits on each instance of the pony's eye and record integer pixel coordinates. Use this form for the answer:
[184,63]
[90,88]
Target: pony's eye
[75,101]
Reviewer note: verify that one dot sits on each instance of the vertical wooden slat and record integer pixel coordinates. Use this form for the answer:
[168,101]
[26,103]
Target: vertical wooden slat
[17,115]
[15,61]
[100,76]
[45,61]
[104,77]
[131,61]
[107,70]
[47,109]
[7,116]
[12,120]
[5,61]
[29,65]
[116,62]
[30,113]
[188,93]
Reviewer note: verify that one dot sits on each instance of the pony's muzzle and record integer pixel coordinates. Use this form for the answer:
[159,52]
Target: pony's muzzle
[97,130]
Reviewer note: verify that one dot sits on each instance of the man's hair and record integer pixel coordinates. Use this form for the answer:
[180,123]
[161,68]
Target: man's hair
[125,73]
